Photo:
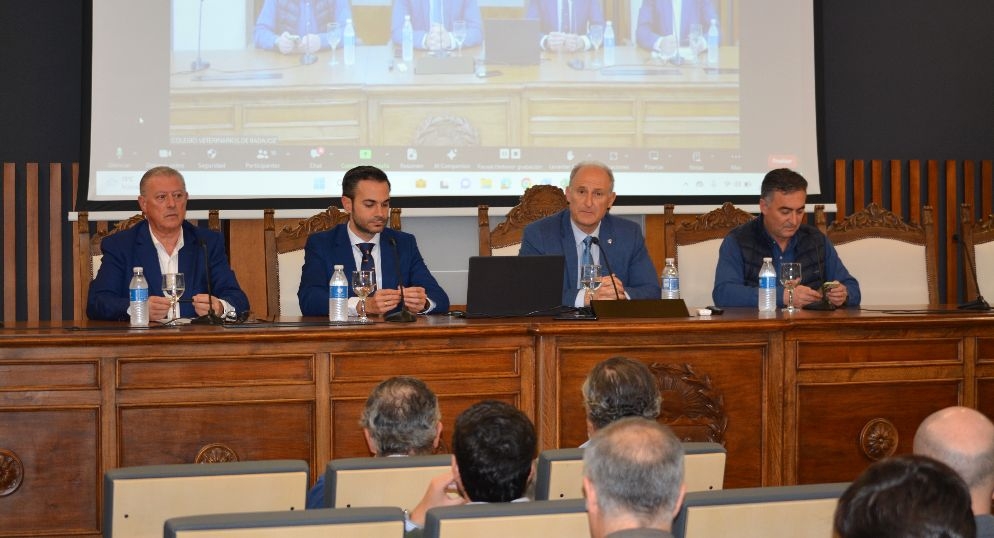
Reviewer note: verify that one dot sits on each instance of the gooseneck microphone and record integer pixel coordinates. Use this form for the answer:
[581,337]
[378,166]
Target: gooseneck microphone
[403,315]
[211,317]
[199,64]
[979,303]
[596,241]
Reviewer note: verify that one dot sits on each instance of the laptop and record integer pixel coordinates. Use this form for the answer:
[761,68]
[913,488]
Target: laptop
[512,41]
[505,286]
[641,308]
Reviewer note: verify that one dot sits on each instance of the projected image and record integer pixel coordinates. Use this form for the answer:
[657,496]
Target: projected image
[457,98]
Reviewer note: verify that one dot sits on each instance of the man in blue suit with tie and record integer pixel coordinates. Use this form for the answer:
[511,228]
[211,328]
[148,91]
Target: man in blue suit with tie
[590,195]
[432,22]
[164,243]
[365,242]
[565,22]
[656,30]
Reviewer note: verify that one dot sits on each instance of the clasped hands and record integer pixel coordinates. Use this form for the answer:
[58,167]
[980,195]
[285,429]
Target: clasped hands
[563,42]
[158,306]
[288,43]
[606,291]
[804,295]
[385,300]
[438,38]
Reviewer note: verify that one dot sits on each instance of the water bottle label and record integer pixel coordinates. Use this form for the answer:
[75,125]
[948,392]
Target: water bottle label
[338,292]
[139,294]
[671,284]
[768,282]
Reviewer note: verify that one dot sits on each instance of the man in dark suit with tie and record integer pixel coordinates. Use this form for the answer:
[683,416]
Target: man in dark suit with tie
[432,21]
[366,243]
[590,195]
[565,22]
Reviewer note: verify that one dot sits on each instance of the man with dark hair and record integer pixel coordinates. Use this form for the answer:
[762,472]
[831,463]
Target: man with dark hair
[365,242]
[633,479]
[781,233]
[619,387]
[905,497]
[164,243]
[401,418]
[963,439]
[493,448]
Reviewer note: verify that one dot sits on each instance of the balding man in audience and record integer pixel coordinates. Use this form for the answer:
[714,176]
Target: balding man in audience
[619,387]
[963,439]
[633,480]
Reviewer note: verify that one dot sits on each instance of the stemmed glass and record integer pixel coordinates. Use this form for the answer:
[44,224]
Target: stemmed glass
[173,286]
[590,278]
[334,38]
[363,284]
[790,277]
[596,36]
[459,33]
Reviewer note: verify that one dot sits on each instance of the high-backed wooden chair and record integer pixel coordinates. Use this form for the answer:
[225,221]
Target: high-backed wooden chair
[694,245]
[895,262]
[537,202]
[90,253]
[378,522]
[502,520]
[978,237]
[284,253]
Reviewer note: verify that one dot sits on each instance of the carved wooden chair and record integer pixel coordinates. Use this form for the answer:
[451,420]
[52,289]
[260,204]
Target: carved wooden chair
[284,252]
[694,245]
[895,262]
[978,237]
[537,202]
[90,254]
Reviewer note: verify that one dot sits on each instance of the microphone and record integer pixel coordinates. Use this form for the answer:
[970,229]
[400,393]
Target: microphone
[596,241]
[979,303]
[211,317]
[403,315]
[199,64]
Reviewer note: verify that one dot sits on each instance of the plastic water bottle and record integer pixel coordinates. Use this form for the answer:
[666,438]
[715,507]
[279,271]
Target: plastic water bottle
[348,37]
[338,295]
[714,41]
[609,44]
[767,287]
[671,280]
[138,291]
[407,47]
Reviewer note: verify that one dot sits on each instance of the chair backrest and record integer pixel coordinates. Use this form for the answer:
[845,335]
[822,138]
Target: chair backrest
[796,511]
[694,245]
[378,522]
[284,253]
[537,519]
[559,472]
[895,262]
[979,238]
[399,481]
[138,500]
[537,202]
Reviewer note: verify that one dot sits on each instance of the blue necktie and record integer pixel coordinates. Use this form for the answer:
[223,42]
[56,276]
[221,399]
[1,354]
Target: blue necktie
[367,263]
[587,258]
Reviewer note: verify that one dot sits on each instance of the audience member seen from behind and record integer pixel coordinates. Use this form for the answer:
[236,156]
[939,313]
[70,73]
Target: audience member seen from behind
[619,387]
[779,232]
[565,23]
[493,448]
[164,243]
[401,418]
[906,496]
[633,479]
[366,239]
[963,439]
[432,22]
[656,29]
[569,233]
[299,26]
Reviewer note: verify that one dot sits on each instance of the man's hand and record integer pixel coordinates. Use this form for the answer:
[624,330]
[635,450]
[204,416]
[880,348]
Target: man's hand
[442,491]
[608,285]
[415,298]
[573,43]
[158,307]
[383,301]
[667,46]
[837,294]
[310,43]
[202,303]
[555,41]
[802,295]
[438,38]
[285,43]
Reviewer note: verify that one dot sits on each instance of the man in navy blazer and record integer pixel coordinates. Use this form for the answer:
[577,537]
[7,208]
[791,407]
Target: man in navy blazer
[590,195]
[655,24]
[366,197]
[434,31]
[564,23]
[164,243]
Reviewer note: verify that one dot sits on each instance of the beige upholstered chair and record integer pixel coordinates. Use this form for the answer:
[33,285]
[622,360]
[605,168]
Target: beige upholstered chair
[350,482]
[537,202]
[894,261]
[694,246]
[284,252]
[978,237]
[378,522]
[537,519]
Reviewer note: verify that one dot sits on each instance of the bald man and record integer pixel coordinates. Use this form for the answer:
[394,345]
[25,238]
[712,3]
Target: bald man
[963,439]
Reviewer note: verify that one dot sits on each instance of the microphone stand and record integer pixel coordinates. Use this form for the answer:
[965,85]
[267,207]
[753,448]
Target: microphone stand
[979,303]
[403,315]
[596,241]
[211,317]
[199,64]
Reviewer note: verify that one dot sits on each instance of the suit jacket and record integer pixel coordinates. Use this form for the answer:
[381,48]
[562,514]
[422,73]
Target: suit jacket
[452,10]
[621,242]
[108,297]
[326,249]
[585,12]
[656,20]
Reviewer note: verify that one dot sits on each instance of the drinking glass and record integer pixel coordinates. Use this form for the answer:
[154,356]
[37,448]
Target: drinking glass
[173,286]
[363,284]
[596,36]
[459,33]
[790,277]
[695,41]
[590,278]
[334,38]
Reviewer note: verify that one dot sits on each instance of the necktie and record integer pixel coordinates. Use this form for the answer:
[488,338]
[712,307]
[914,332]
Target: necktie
[587,258]
[367,263]
[564,16]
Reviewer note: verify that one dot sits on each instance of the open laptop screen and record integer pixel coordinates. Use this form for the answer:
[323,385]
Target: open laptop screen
[514,286]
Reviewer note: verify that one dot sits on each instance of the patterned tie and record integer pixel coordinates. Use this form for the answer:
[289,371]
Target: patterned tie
[367,263]
[587,258]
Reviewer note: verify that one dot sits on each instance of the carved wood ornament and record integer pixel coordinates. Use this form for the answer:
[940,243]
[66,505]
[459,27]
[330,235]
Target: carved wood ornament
[878,439]
[11,472]
[216,453]
[691,405]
